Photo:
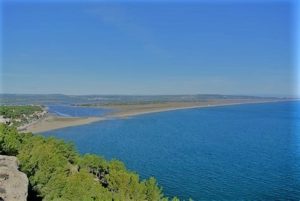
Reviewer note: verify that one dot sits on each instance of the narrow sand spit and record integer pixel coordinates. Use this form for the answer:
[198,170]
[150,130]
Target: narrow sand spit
[52,122]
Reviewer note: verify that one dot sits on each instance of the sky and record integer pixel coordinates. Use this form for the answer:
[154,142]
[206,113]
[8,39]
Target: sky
[143,47]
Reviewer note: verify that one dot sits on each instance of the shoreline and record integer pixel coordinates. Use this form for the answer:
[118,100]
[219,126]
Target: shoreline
[124,114]
[53,122]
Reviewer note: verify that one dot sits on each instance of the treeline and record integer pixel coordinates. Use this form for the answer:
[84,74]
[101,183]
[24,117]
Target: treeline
[20,114]
[57,172]
[15,112]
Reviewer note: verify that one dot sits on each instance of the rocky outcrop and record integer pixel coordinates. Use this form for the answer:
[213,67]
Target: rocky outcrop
[13,183]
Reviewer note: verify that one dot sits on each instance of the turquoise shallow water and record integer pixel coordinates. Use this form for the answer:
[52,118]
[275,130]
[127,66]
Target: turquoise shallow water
[242,152]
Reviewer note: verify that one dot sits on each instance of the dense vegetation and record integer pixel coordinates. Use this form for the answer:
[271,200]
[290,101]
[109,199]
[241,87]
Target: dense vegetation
[20,114]
[57,172]
[19,111]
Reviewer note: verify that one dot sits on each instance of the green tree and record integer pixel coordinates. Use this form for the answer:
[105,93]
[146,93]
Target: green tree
[9,140]
[83,186]
[125,185]
[42,159]
[153,192]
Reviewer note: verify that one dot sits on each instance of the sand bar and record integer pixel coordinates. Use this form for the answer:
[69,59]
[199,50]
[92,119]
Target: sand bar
[52,122]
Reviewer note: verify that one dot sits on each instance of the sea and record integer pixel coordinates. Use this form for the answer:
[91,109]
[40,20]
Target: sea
[238,152]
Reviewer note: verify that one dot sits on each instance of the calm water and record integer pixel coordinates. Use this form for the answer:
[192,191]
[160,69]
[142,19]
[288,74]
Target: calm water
[74,111]
[245,152]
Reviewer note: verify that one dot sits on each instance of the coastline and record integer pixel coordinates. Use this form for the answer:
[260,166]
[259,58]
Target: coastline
[53,122]
[125,114]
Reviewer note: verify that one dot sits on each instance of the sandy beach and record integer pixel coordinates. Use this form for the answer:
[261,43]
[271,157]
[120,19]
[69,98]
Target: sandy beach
[52,122]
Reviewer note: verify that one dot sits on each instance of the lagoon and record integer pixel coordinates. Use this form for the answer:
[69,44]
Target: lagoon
[74,111]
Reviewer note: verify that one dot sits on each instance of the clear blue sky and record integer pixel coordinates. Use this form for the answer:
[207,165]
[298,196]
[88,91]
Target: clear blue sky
[225,47]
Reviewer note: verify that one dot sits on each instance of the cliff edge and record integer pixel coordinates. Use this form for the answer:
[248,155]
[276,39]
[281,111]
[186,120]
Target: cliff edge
[13,183]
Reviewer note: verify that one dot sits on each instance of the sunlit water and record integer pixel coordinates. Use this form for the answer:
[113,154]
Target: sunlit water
[243,152]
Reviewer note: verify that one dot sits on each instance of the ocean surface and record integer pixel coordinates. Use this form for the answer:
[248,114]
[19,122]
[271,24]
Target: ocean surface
[74,111]
[241,152]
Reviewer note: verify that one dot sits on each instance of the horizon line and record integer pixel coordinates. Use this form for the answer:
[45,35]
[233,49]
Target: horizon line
[194,94]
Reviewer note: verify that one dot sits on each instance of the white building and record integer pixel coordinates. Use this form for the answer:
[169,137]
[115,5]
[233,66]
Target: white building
[4,120]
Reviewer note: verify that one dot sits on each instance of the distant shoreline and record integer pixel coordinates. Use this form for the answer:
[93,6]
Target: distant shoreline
[124,114]
[53,122]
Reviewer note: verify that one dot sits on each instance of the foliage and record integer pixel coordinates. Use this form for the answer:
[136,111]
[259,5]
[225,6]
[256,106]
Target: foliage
[18,111]
[10,140]
[57,172]
[20,114]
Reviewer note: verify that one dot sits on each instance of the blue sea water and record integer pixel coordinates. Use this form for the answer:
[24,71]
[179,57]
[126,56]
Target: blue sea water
[75,111]
[242,152]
